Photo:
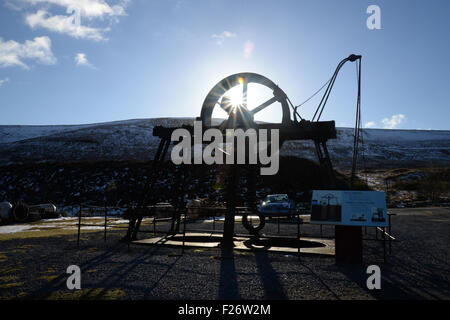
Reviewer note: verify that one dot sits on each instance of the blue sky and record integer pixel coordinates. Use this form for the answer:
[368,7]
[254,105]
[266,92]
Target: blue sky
[142,59]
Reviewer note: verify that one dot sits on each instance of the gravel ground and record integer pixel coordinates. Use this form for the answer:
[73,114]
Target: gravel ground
[418,268]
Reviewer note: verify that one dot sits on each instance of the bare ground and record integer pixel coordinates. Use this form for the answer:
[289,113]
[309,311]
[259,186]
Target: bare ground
[418,268]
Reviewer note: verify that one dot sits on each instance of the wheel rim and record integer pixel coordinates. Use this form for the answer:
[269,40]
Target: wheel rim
[240,116]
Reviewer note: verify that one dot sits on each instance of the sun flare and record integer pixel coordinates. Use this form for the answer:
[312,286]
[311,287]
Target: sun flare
[235,95]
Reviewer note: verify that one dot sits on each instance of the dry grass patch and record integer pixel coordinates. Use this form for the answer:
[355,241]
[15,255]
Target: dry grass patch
[8,278]
[49,278]
[88,294]
[11,285]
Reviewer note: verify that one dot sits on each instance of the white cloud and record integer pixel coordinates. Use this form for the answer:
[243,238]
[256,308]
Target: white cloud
[78,12]
[13,53]
[2,81]
[81,60]
[64,24]
[88,8]
[370,124]
[220,38]
[394,121]
[248,49]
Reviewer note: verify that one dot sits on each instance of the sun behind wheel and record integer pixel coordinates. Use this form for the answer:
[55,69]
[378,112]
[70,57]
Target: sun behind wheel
[239,116]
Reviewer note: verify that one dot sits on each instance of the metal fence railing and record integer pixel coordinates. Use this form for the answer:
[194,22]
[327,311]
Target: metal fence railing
[189,216]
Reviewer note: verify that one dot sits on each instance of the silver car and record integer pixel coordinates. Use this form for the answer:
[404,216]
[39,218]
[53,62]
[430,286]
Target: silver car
[275,204]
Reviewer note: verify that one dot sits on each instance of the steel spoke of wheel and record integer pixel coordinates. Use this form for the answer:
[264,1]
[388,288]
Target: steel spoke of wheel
[225,104]
[264,105]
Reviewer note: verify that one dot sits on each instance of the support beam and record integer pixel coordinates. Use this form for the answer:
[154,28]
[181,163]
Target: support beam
[228,227]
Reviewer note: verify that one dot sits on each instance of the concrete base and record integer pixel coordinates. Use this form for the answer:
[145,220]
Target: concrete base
[271,244]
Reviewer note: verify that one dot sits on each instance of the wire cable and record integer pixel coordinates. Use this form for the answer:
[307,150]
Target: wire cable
[315,93]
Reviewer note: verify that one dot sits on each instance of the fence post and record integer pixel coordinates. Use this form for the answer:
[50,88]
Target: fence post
[384,244]
[184,230]
[390,232]
[79,226]
[106,212]
[298,234]
[154,220]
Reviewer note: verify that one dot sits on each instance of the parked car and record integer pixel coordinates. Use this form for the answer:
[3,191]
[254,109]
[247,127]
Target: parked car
[276,204]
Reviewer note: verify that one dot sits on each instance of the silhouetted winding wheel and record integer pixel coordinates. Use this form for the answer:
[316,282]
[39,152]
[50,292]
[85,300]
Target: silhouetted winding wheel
[232,96]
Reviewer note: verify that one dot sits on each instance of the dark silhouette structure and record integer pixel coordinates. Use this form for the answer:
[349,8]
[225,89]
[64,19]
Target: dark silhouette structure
[239,116]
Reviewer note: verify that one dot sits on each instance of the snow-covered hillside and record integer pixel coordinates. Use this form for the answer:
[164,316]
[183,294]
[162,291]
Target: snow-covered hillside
[382,148]
[133,140]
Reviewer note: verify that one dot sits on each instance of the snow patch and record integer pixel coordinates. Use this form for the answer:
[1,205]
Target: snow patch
[14,228]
